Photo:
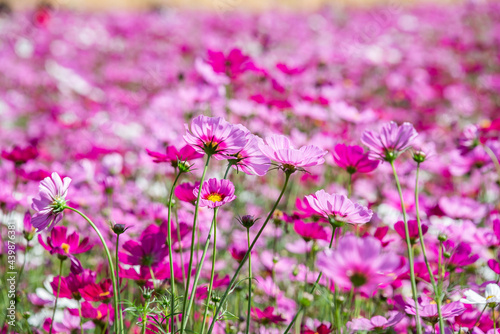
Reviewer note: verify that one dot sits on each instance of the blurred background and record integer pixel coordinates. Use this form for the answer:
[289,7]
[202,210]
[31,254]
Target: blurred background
[208,4]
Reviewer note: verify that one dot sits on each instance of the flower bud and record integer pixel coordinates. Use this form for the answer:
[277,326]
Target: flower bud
[247,221]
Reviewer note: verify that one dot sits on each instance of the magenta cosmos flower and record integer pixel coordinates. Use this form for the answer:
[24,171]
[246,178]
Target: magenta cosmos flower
[20,155]
[214,136]
[375,323]
[184,191]
[353,159]
[52,202]
[390,142]
[174,156]
[215,193]
[280,149]
[359,263]
[428,309]
[338,208]
[232,65]
[310,231]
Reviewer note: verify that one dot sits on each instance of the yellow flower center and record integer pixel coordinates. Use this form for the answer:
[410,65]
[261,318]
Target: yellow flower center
[433,302]
[489,297]
[99,314]
[65,248]
[214,197]
[104,294]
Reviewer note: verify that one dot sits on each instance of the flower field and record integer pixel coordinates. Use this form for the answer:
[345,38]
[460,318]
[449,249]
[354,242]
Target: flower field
[268,173]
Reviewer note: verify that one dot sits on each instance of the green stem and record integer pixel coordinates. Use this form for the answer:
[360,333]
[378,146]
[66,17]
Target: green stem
[249,284]
[81,316]
[170,259]
[437,292]
[198,269]
[185,315]
[313,288]
[212,274]
[57,295]
[349,186]
[119,317]
[110,261]
[410,250]
[242,263]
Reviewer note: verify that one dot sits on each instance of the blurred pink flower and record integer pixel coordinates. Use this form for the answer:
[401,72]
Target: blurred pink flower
[359,263]
[375,323]
[173,155]
[310,231]
[184,191]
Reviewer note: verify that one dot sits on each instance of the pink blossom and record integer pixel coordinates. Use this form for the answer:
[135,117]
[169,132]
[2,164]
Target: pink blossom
[215,193]
[390,142]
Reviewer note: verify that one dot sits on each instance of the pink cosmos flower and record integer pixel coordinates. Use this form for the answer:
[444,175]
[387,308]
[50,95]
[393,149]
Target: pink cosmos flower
[338,208]
[184,191]
[215,136]
[51,204]
[390,142]
[173,155]
[428,309]
[359,263]
[310,231]
[375,323]
[280,149]
[96,292]
[215,193]
[353,159]
[69,324]
[250,159]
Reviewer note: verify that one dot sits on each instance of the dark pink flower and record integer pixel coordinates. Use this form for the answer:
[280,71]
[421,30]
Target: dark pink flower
[60,243]
[390,142]
[184,191]
[353,159]
[215,136]
[215,193]
[338,208]
[148,251]
[321,329]
[232,65]
[172,155]
[266,316]
[20,155]
[310,231]
[96,292]
[280,149]
[52,202]
[412,229]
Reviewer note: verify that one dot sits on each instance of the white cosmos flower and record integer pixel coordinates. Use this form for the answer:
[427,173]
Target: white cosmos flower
[491,296]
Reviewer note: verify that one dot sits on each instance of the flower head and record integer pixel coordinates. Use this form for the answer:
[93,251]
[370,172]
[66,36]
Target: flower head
[214,136]
[390,142]
[234,64]
[376,323]
[338,208]
[174,156]
[52,201]
[412,229]
[428,309]
[20,155]
[310,231]
[359,263]
[184,192]
[215,193]
[280,149]
[150,250]
[491,296]
[250,159]
[353,159]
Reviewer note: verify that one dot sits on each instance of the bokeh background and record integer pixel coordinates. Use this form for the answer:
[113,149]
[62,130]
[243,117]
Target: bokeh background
[213,4]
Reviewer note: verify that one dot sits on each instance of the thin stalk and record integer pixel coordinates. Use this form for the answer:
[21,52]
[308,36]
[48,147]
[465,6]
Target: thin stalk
[437,292]
[479,318]
[249,308]
[110,261]
[313,288]
[120,313]
[57,295]
[81,316]
[493,158]
[198,271]
[185,315]
[349,186]
[170,259]
[410,250]
[212,273]
[242,263]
